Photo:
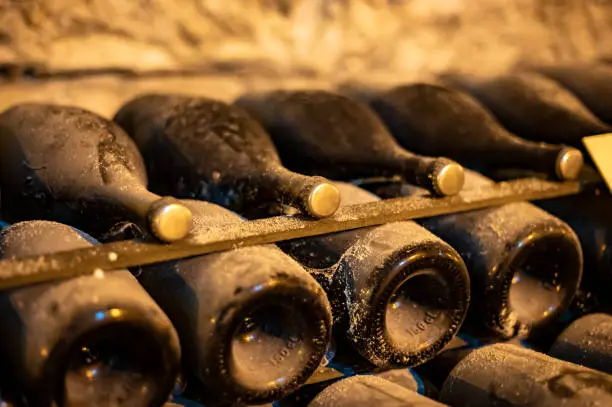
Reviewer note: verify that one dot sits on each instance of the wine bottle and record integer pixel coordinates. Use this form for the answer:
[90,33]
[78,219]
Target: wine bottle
[438,369]
[318,132]
[525,265]
[592,84]
[70,165]
[535,107]
[434,372]
[508,375]
[253,324]
[398,292]
[95,340]
[436,120]
[369,391]
[588,342]
[411,380]
[203,148]
[405,378]
[588,214]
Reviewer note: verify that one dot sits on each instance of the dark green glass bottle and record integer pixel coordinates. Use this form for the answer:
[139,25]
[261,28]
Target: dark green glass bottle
[535,107]
[440,120]
[588,214]
[588,342]
[95,340]
[253,324]
[592,84]
[323,133]
[398,292]
[70,165]
[205,149]
[509,375]
[370,391]
[525,265]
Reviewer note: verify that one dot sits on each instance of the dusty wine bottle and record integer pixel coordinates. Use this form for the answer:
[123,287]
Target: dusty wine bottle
[398,292]
[253,324]
[588,342]
[94,340]
[435,372]
[438,369]
[318,132]
[203,148]
[305,394]
[436,120]
[411,380]
[70,165]
[405,378]
[588,214]
[370,391]
[592,84]
[508,375]
[535,107]
[525,265]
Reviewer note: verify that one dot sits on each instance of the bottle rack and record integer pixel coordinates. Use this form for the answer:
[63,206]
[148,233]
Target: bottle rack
[122,254]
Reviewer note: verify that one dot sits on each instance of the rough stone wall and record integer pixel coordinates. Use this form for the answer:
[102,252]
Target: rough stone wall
[224,47]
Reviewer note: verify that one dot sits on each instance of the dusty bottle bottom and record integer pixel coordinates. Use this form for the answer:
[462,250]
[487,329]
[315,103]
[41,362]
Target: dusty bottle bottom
[417,312]
[115,365]
[270,348]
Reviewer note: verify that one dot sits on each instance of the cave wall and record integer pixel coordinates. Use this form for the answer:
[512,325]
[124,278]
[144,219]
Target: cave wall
[98,53]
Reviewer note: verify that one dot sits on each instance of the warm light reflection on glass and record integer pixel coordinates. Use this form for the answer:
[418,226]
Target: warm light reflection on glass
[115,312]
[248,338]
[91,374]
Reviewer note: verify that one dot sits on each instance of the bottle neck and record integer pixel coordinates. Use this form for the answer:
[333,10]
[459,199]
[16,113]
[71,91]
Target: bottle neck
[119,361]
[519,153]
[438,175]
[312,195]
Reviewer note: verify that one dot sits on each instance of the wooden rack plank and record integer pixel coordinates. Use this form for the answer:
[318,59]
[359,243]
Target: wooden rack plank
[111,256]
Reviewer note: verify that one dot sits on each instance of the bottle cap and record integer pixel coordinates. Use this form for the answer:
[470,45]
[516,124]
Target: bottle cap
[569,163]
[170,220]
[323,200]
[448,178]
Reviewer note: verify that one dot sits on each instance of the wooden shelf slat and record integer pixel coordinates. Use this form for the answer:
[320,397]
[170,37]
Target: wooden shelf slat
[116,255]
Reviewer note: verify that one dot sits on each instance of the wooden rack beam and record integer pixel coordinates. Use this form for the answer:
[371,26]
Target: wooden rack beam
[116,255]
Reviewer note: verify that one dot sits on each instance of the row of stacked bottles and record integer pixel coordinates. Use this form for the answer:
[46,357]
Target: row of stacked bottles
[251,325]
